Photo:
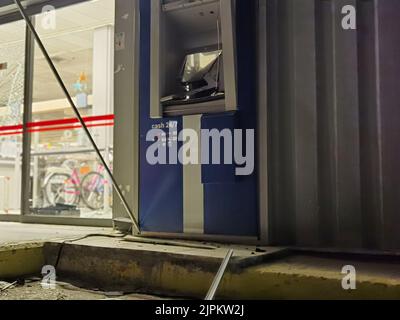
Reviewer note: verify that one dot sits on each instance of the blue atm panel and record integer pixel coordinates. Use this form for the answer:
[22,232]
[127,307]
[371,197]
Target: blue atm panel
[160,187]
[230,202]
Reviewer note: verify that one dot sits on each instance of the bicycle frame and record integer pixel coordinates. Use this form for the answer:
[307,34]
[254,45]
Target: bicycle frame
[94,183]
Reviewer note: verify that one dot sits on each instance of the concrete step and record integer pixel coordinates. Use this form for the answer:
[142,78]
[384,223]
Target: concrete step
[132,264]
[17,260]
[185,269]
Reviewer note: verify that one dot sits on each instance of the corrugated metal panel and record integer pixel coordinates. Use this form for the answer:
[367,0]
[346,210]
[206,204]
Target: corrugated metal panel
[334,124]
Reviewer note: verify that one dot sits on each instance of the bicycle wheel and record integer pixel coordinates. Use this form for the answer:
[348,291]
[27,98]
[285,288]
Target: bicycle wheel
[92,190]
[60,190]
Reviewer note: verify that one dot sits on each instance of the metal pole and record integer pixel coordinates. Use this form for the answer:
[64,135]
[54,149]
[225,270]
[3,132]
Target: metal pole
[35,188]
[27,117]
[218,278]
[76,111]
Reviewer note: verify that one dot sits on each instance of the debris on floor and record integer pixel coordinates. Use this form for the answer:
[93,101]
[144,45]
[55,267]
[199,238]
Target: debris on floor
[5,285]
[33,290]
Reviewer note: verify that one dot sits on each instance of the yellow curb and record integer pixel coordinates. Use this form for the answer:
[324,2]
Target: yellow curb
[263,282]
[21,260]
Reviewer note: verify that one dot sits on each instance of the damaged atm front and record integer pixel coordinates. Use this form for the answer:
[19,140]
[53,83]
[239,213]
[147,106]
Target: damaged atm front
[196,111]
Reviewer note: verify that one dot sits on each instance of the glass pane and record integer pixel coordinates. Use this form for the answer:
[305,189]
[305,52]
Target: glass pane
[67,177]
[197,65]
[12,60]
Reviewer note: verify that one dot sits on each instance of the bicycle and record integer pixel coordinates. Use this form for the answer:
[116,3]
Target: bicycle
[63,186]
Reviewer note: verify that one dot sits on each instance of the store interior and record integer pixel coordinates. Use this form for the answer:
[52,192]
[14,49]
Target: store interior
[79,39]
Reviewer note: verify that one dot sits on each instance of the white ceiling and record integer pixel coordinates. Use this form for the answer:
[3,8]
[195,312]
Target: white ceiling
[70,45]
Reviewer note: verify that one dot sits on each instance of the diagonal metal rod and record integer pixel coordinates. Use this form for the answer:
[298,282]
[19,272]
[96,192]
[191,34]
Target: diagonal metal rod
[218,278]
[76,111]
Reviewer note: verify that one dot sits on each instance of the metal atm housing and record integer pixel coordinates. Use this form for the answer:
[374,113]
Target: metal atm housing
[182,27]
[197,200]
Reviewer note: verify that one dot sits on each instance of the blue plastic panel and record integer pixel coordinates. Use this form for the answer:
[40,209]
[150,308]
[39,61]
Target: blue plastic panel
[161,189]
[230,201]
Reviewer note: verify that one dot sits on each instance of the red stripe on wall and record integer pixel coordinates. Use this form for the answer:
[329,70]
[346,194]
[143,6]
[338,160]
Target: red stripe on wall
[58,125]
[61,128]
[69,121]
[11,128]
[12,133]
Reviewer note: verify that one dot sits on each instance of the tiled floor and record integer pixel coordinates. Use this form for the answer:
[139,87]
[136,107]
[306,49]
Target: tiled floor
[17,232]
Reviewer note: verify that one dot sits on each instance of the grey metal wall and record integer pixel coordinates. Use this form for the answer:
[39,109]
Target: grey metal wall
[126,97]
[334,124]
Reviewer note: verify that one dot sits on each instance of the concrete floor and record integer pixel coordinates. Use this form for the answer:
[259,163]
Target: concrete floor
[11,233]
[187,248]
[17,233]
[32,290]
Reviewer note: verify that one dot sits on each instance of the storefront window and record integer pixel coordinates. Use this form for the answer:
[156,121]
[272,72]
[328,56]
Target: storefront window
[67,177]
[12,65]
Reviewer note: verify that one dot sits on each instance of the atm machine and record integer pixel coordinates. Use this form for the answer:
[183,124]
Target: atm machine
[197,71]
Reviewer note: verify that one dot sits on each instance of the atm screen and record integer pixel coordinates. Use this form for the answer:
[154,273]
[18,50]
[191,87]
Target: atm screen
[197,65]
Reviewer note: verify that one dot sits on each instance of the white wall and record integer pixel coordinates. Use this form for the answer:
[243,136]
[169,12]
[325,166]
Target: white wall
[10,178]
